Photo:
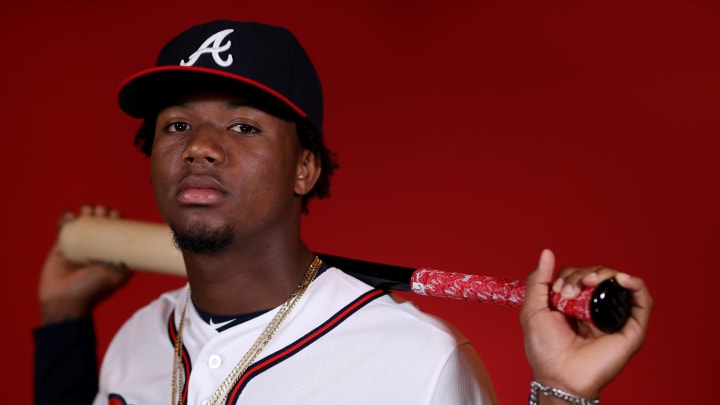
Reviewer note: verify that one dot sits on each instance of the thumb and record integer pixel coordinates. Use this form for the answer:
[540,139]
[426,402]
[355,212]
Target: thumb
[538,282]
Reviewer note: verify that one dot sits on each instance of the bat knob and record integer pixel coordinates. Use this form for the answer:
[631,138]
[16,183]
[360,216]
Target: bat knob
[610,306]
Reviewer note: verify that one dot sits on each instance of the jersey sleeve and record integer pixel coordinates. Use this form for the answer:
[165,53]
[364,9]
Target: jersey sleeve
[65,369]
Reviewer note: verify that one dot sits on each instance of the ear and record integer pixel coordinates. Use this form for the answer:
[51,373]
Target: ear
[307,172]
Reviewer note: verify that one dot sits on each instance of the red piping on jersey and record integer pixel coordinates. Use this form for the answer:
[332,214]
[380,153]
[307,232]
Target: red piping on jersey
[303,342]
[172,332]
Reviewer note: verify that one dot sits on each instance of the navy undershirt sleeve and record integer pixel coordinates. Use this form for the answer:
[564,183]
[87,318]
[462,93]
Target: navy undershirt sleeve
[65,363]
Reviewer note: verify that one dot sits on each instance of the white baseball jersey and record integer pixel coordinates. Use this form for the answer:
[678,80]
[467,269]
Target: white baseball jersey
[343,343]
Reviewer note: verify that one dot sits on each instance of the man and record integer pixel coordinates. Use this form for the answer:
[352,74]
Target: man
[232,122]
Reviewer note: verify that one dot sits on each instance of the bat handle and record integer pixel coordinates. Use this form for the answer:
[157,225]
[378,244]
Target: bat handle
[607,306]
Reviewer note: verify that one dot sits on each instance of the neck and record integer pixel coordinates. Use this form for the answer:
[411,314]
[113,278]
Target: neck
[243,280]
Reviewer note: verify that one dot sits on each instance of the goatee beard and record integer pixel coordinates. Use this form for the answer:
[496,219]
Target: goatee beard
[202,239]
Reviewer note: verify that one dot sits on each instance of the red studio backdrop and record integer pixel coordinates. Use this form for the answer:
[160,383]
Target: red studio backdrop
[471,134]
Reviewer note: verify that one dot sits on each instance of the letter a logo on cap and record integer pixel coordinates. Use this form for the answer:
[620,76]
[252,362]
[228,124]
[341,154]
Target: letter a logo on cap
[214,46]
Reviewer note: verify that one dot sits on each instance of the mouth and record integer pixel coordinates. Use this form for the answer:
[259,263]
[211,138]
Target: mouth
[200,190]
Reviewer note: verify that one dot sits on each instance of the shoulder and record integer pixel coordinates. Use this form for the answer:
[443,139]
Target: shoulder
[390,330]
[144,340]
[391,311]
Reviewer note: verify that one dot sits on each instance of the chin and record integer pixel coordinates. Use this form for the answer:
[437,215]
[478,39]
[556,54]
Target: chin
[202,238]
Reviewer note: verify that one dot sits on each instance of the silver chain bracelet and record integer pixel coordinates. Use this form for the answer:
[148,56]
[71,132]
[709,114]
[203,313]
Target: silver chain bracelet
[536,388]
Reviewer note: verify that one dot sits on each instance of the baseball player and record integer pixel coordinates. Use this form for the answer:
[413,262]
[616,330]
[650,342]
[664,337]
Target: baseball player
[232,120]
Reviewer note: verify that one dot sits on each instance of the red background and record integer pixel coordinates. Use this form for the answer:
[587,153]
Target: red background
[471,134]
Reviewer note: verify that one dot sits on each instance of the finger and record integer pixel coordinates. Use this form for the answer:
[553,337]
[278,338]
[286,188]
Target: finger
[642,301]
[563,278]
[63,218]
[573,280]
[565,271]
[100,211]
[536,295]
[86,209]
[117,275]
[546,266]
[597,277]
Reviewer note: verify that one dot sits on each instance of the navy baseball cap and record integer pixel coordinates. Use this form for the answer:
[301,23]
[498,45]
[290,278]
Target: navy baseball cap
[263,61]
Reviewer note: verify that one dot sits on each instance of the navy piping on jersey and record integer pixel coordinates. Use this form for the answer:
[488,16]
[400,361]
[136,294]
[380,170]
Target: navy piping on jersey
[226,322]
[277,357]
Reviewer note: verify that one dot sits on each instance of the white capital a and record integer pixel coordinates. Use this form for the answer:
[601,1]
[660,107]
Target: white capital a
[214,46]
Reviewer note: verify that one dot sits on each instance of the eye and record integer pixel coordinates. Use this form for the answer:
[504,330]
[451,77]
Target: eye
[178,126]
[244,129]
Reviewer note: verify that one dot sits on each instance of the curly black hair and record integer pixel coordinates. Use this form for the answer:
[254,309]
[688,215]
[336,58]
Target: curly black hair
[310,138]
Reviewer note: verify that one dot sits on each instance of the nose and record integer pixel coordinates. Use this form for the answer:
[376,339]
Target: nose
[205,146]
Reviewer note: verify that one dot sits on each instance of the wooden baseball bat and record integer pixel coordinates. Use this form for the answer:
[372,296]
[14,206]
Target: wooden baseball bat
[149,246]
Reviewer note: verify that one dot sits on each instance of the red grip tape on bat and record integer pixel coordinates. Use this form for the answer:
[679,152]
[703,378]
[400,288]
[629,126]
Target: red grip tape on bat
[607,306]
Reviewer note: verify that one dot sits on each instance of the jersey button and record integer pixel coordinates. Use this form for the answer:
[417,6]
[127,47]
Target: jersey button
[214,361]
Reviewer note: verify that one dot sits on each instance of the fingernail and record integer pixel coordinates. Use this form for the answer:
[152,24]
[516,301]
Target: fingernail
[567,291]
[591,277]
[558,285]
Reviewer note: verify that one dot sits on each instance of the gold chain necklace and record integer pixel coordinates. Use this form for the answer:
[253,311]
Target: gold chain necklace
[223,390]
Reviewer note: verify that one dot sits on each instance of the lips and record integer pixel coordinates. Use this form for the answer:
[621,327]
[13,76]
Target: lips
[200,190]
